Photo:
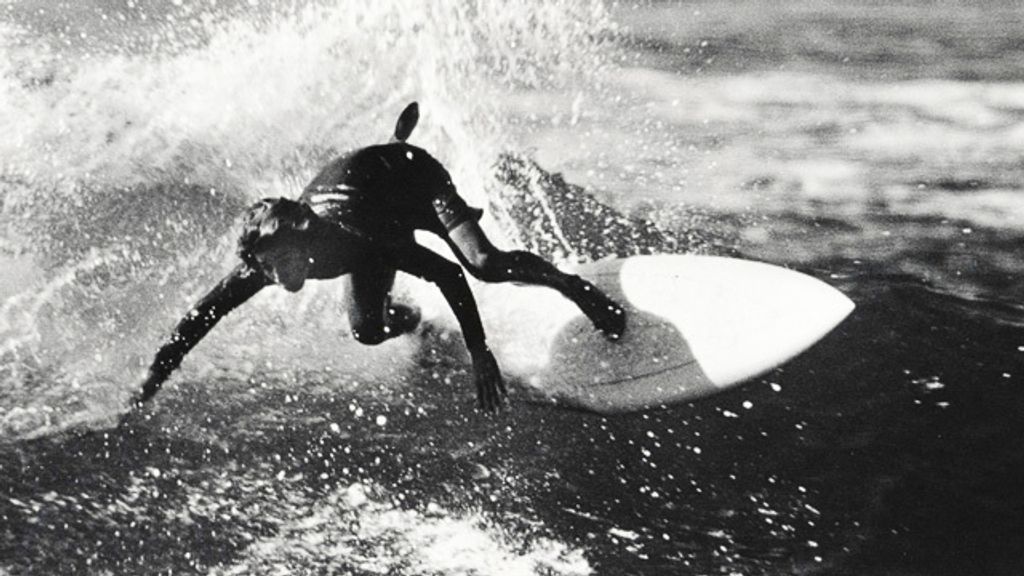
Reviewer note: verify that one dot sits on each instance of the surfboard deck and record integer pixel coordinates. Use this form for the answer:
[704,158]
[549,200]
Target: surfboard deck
[696,325]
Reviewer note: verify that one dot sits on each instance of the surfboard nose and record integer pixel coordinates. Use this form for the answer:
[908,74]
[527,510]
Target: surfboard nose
[695,326]
[739,317]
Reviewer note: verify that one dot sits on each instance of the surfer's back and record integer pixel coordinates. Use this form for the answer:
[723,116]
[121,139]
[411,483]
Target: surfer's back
[378,170]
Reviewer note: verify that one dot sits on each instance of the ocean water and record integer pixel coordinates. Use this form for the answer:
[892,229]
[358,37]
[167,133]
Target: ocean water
[877,146]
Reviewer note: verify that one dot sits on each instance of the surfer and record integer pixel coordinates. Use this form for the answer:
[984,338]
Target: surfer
[357,218]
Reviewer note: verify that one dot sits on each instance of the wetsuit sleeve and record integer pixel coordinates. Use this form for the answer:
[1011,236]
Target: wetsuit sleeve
[447,275]
[237,287]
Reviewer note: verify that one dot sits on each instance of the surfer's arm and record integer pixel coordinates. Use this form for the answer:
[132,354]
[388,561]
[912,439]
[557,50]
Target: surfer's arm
[449,278]
[237,287]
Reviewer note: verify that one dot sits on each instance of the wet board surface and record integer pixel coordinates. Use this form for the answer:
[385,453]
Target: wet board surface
[696,325]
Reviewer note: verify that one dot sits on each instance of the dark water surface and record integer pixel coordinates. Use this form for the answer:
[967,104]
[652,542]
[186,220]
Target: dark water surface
[878,147]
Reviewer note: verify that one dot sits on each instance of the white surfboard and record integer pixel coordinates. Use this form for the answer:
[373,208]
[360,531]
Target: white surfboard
[696,325]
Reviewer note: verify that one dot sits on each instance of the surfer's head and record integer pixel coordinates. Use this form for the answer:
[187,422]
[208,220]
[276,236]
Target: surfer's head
[275,240]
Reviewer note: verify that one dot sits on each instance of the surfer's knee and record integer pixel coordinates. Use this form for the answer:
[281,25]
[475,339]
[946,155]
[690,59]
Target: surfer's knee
[515,266]
[368,334]
[500,266]
[400,319]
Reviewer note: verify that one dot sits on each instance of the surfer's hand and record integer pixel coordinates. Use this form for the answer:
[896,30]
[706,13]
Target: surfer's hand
[137,405]
[490,387]
[131,416]
[150,386]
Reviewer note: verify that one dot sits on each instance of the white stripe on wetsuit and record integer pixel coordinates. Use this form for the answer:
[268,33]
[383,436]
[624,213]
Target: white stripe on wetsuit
[318,201]
[333,196]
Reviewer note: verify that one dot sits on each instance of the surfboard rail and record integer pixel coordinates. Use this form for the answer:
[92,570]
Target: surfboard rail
[696,325]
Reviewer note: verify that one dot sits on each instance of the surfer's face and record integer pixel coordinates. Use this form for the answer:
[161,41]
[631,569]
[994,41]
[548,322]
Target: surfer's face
[286,264]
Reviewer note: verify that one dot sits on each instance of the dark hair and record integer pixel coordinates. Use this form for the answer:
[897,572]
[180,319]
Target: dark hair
[268,220]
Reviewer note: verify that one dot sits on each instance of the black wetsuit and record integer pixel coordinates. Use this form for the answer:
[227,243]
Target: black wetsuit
[378,196]
[382,191]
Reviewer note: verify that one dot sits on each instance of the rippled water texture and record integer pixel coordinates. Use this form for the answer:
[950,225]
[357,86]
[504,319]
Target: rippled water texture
[875,146]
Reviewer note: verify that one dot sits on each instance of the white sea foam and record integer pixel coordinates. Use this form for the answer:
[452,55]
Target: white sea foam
[771,142]
[124,167]
[339,532]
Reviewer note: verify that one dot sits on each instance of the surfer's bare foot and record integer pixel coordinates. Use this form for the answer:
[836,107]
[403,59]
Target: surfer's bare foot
[606,315]
[402,319]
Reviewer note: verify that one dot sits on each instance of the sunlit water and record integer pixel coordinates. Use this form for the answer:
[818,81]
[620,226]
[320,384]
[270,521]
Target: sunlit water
[876,147]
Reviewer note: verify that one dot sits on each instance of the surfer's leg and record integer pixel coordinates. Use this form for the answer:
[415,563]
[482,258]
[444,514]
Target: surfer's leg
[488,263]
[372,315]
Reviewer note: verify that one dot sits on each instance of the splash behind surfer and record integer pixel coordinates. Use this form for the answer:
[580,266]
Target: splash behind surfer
[357,218]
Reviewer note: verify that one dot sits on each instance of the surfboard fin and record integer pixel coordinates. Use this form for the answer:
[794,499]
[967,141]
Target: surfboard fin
[406,122]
